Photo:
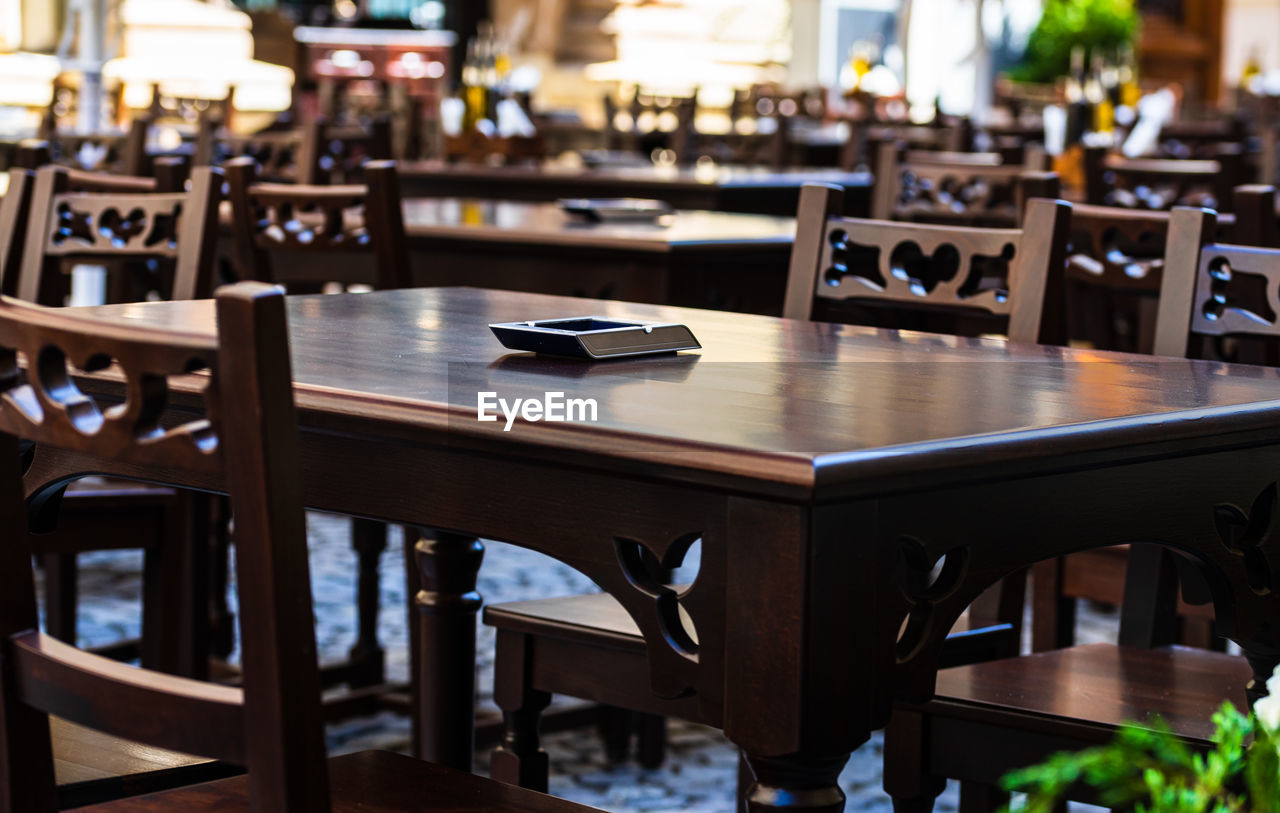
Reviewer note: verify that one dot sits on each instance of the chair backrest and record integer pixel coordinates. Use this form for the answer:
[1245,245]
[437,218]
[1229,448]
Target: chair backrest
[170,176]
[975,190]
[85,218]
[1213,289]
[123,153]
[1124,249]
[313,153]
[1162,183]
[273,725]
[273,217]
[1005,272]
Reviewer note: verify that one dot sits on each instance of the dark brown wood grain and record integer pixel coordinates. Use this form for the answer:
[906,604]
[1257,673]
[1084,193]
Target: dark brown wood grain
[825,469]
[415,388]
[367,782]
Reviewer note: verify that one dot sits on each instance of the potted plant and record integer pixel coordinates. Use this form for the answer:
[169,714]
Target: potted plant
[1149,770]
[1100,26]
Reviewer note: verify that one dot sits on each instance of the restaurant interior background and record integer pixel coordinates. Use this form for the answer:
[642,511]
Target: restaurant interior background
[552,85]
[564,56]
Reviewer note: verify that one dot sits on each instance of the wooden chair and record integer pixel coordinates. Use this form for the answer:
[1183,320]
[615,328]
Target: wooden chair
[66,225]
[331,232]
[1115,265]
[973,190]
[588,647]
[319,221]
[106,515]
[123,153]
[313,153]
[249,439]
[987,719]
[1117,255]
[1162,183]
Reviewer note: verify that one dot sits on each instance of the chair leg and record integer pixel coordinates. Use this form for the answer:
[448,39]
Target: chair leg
[651,740]
[745,780]
[175,598]
[1053,615]
[60,592]
[222,621]
[519,758]
[906,774]
[978,797]
[616,726]
[368,660]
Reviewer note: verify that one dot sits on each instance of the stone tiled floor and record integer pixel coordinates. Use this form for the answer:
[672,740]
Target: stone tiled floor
[699,774]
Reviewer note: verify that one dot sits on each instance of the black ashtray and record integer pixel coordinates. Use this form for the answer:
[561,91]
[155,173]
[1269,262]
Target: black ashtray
[595,337]
[606,210]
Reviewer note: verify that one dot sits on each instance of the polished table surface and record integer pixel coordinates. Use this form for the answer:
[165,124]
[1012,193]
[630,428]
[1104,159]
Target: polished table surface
[522,221]
[508,221]
[720,188]
[711,175]
[804,404]
[824,468]
[723,260]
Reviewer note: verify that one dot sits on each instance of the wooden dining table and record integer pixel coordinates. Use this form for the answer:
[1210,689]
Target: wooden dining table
[721,188]
[852,490]
[721,260]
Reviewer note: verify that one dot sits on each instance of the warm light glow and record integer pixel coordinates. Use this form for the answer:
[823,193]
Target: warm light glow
[194,50]
[26,80]
[712,46]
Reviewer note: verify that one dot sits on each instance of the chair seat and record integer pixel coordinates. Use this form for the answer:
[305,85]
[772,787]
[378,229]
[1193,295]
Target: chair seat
[368,782]
[588,617]
[93,767]
[592,618]
[1096,685]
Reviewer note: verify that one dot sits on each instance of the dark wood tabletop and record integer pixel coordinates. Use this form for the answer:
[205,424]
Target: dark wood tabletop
[802,406]
[825,469]
[722,260]
[531,222]
[719,188]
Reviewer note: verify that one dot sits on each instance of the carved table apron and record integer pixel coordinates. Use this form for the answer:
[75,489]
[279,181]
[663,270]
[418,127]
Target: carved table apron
[810,561]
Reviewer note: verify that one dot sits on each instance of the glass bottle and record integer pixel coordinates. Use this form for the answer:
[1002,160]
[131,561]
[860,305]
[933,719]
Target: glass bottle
[1078,113]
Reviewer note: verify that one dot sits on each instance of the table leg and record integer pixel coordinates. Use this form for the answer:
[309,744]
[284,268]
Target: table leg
[796,782]
[446,605]
[368,540]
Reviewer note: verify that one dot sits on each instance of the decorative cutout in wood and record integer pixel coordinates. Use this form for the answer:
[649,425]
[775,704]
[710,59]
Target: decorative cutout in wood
[1244,535]
[1237,292]
[41,355]
[1135,186]
[925,582]
[1124,254]
[332,219]
[277,153]
[646,573]
[947,192]
[137,225]
[918,263]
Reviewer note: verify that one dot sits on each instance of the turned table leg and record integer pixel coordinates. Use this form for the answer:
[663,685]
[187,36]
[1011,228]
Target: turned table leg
[368,661]
[446,606]
[796,782]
